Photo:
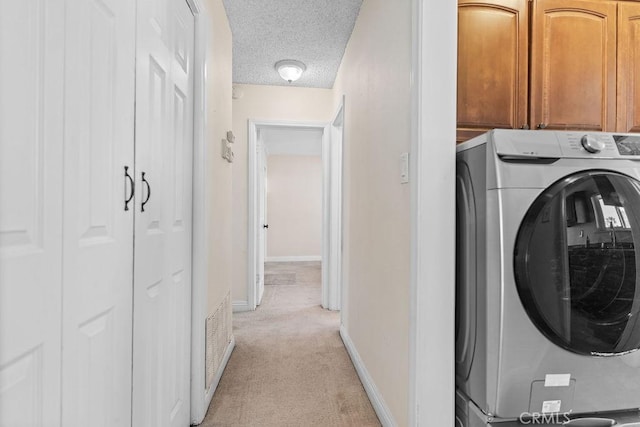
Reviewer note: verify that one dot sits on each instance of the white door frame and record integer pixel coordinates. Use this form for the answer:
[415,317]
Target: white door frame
[326,215]
[200,395]
[252,190]
[432,173]
[332,220]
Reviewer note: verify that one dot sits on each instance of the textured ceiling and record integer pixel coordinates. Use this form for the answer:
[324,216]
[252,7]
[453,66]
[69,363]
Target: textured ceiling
[315,32]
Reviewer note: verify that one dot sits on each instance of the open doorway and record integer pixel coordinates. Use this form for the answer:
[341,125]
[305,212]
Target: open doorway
[293,229]
[290,206]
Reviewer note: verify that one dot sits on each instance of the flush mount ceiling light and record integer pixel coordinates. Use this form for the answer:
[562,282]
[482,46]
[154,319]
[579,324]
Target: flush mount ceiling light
[290,70]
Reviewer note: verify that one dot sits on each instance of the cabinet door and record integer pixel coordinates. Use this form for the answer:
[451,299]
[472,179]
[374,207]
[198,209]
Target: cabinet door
[492,66]
[31,112]
[628,67]
[98,232]
[573,72]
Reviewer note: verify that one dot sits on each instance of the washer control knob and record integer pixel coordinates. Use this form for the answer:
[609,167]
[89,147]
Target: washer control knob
[592,144]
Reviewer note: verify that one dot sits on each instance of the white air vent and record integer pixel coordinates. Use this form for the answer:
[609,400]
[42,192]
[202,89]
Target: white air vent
[218,331]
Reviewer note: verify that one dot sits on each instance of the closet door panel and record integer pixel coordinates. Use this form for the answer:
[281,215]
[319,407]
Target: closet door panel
[150,299]
[98,238]
[31,67]
[179,254]
[164,136]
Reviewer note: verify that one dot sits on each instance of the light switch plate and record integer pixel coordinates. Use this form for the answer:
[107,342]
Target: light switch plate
[404,168]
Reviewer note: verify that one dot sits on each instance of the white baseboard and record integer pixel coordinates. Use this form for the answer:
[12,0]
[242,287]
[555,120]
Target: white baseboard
[225,359]
[208,394]
[240,306]
[293,258]
[378,403]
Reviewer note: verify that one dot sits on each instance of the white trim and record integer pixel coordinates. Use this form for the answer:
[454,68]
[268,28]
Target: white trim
[196,7]
[334,255]
[200,245]
[252,209]
[240,306]
[344,255]
[326,214]
[295,258]
[287,124]
[214,384]
[432,169]
[378,403]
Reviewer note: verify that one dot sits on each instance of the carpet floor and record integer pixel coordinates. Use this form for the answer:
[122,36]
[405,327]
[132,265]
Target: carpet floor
[290,367]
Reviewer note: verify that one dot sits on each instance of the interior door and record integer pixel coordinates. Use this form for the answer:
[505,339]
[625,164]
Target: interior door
[162,283]
[31,67]
[262,226]
[98,231]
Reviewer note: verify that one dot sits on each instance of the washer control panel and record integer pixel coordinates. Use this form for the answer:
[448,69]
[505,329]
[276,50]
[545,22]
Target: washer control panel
[581,144]
[565,144]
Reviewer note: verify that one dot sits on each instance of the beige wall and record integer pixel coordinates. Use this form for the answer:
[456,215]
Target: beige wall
[375,77]
[219,178]
[294,206]
[264,103]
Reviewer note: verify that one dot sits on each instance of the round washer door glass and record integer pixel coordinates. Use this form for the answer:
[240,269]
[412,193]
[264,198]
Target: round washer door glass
[575,262]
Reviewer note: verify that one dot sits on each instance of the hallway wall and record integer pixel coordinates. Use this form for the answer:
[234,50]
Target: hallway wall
[294,207]
[219,69]
[213,338]
[261,102]
[375,77]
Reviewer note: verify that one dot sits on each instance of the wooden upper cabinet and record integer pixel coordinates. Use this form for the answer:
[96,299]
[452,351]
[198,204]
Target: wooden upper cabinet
[628,67]
[492,66]
[573,57]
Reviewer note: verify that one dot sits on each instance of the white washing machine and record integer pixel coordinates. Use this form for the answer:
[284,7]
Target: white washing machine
[548,286]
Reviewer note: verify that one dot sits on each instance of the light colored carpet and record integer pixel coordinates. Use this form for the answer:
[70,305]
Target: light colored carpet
[290,367]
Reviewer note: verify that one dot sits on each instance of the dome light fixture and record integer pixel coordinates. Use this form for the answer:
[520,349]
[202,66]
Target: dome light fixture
[290,69]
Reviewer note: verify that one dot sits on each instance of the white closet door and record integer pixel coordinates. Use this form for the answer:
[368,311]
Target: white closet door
[162,285]
[98,232]
[31,67]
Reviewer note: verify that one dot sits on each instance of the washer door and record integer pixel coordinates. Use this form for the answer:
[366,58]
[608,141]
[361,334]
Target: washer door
[576,266]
